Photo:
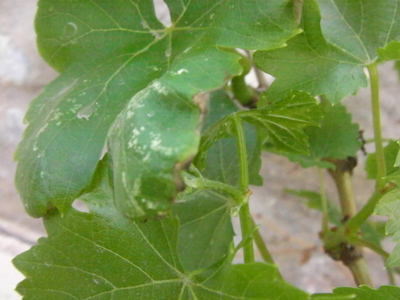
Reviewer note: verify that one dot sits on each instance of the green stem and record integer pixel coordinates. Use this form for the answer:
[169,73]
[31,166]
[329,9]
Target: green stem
[376,248]
[242,153]
[246,223]
[354,224]
[380,157]
[325,226]
[223,187]
[262,247]
[247,231]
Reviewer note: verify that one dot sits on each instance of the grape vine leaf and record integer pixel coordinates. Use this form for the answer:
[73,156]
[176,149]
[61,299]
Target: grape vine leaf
[113,257]
[205,231]
[283,122]
[390,151]
[328,58]
[108,52]
[385,292]
[222,158]
[69,32]
[336,138]
[205,224]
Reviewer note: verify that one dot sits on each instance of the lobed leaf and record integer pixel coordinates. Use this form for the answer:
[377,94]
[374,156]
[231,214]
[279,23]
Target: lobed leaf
[328,58]
[108,51]
[336,138]
[283,122]
[113,257]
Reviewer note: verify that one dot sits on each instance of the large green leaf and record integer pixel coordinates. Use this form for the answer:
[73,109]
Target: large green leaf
[102,255]
[108,51]
[86,31]
[328,58]
[336,138]
[385,292]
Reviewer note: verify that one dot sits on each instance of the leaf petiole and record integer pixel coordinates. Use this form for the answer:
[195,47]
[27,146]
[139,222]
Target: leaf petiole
[246,223]
[380,156]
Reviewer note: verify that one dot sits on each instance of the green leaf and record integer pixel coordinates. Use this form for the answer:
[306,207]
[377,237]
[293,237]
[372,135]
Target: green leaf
[108,52]
[385,292]
[336,138]
[205,232]
[247,281]
[283,121]
[113,257]
[328,58]
[390,152]
[69,32]
[222,158]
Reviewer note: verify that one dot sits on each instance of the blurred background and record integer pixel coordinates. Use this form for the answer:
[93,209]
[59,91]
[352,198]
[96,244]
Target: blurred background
[288,227]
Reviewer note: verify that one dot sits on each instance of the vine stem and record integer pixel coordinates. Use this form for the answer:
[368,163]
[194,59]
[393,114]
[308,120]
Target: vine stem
[242,153]
[376,115]
[246,222]
[355,223]
[342,174]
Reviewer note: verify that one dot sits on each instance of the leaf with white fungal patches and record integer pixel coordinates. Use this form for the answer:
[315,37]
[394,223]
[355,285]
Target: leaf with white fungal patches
[108,51]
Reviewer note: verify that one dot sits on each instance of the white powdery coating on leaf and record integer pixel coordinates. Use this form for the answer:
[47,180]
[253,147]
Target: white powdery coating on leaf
[156,145]
[160,88]
[87,111]
[134,141]
[42,129]
[181,71]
